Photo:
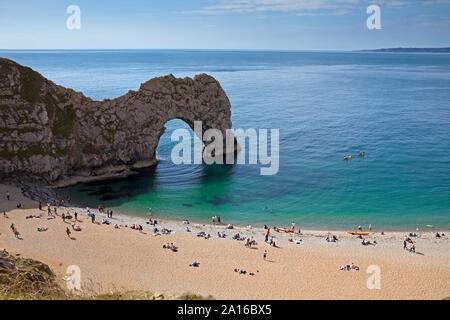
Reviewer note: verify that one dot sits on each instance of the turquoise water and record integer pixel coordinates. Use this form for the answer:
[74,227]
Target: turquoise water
[395,107]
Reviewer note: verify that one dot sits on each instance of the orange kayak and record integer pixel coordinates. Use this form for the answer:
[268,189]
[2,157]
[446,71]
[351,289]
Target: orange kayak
[286,230]
[358,233]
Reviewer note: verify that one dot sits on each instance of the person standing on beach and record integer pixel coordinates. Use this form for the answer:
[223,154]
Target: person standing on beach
[68,231]
[92,218]
[40,206]
[110,214]
[8,196]
[150,212]
[265,254]
[76,216]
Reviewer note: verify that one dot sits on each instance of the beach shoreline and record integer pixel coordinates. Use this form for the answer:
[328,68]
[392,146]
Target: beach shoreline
[129,259]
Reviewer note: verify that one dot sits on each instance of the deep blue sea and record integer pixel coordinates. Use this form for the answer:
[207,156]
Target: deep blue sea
[393,106]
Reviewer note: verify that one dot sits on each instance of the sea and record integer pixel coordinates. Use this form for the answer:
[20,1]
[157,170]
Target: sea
[395,107]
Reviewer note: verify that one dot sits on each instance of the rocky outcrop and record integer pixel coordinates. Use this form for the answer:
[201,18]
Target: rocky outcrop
[57,136]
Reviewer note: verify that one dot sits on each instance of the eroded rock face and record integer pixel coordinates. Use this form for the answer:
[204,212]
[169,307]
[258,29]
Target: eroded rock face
[55,135]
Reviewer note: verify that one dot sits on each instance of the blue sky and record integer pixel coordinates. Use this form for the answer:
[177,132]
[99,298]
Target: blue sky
[224,24]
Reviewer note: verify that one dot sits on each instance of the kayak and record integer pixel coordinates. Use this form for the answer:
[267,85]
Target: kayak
[358,233]
[286,230]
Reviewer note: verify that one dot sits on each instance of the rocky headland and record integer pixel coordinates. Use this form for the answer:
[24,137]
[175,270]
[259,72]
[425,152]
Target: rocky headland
[52,135]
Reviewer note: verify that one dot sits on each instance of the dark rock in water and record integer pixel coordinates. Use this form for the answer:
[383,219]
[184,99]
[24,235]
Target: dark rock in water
[187,205]
[57,136]
[220,200]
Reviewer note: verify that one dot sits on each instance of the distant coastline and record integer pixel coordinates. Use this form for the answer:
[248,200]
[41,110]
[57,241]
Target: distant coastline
[425,50]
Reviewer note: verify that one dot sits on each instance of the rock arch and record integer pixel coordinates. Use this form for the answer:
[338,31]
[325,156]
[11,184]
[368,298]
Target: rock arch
[57,135]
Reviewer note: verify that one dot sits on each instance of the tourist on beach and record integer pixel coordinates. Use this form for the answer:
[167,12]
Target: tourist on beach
[92,218]
[68,231]
[13,227]
[40,206]
[359,228]
[265,254]
[413,247]
[218,219]
[149,211]
[19,205]
[8,196]
[370,227]
[293,225]
[4,214]
[76,216]
[56,213]
[140,228]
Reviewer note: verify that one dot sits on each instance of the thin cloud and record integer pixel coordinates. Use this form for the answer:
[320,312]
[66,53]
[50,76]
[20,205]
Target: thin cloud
[304,7]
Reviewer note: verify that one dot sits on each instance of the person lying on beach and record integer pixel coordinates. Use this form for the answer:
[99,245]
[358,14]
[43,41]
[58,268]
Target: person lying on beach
[76,227]
[230,226]
[221,235]
[187,229]
[170,247]
[185,221]
[237,236]
[194,264]
[349,267]
[40,229]
[116,226]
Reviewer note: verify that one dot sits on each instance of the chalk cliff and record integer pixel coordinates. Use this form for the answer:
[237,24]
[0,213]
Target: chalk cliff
[57,136]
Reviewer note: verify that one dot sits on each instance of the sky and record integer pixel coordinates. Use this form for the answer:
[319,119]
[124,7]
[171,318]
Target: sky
[224,24]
